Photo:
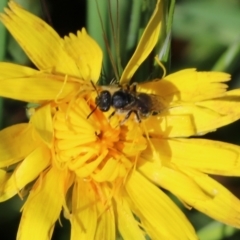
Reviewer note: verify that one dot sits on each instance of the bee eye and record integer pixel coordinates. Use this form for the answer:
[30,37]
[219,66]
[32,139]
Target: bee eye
[104,101]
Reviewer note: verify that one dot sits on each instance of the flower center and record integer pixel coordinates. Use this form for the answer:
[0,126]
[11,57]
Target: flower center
[95,147]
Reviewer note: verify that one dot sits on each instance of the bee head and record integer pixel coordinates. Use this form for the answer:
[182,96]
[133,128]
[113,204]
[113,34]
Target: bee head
[104,101]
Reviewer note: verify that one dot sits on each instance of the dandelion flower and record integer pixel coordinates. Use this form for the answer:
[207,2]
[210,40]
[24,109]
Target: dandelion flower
[103,175]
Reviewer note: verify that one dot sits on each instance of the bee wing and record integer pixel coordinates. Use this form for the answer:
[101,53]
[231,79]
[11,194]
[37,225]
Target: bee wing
[158,103]
[164,91]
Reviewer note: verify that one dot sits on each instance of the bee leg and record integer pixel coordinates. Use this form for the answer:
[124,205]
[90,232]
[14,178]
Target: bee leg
[111,115]
[134,87]
[128,87]
[137,116]
[128,115]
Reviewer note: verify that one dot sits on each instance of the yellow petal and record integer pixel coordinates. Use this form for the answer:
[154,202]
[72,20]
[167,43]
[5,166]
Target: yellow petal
[106,221]
[157,212]
[3,178]
[43,206]
[86,54]
[211,114]
[127,224]
[187,86]
[40,42]
[108,171]
[208,156]
[16,143]
[225,105]
[43,123]
[225,108]
[204,155]
[196,190]
[37,88]
[88,168]
[165,125]
[198,86]
[203,120]
[25,173]
[195,118]
[10,70]
[84,212]
[221,205]
[145,45]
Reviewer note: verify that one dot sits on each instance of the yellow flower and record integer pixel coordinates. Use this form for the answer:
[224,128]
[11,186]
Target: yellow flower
[102,174]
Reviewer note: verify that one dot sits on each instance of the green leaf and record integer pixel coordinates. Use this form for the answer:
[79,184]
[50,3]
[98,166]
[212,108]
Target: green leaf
[216,231]
[123,22]
[229,59]
[3,34]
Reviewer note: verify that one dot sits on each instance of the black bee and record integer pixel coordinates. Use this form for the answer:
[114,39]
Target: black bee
[127,100]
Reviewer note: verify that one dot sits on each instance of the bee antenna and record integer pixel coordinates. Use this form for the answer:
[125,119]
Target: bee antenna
[94,87]
[89,115]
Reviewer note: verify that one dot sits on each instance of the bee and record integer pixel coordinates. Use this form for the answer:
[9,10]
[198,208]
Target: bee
[127,100]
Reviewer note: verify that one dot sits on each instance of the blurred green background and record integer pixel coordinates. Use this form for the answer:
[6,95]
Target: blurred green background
[205,35]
